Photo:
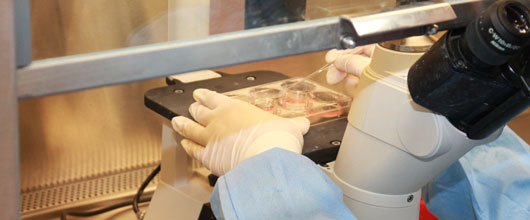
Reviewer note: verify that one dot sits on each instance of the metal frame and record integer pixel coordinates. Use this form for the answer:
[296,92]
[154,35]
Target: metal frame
[45,77]
[23,32]
[410,20]
[9,155]
[394,24]
[64,74]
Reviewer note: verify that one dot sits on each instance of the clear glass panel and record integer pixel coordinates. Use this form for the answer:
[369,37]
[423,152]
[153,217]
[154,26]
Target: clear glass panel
[68,27]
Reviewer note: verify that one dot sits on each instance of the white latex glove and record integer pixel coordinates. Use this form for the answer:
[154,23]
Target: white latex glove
[348,65]
[229,131]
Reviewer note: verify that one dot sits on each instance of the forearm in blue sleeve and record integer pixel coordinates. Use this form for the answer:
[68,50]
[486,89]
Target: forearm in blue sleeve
[277,184]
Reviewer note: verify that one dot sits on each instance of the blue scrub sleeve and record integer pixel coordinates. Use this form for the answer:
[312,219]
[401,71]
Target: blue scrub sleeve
[277,184]
[492,181]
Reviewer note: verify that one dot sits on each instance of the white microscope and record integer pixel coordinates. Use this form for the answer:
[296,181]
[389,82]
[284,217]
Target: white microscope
[415,114]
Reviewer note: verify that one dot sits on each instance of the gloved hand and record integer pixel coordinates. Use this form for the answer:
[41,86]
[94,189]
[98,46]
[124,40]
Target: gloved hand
[348,65]
[229,131]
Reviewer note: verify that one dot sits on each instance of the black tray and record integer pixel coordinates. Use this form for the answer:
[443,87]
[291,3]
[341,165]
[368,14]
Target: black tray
[321,143]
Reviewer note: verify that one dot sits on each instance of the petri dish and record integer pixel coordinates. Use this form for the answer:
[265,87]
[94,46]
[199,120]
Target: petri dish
[326,97]
[265,98]
[295,84]
[331,98]
[328,111]
[291,114]
[296,100]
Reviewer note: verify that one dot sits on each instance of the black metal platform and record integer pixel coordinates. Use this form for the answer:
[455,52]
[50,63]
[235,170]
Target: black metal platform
[321,143]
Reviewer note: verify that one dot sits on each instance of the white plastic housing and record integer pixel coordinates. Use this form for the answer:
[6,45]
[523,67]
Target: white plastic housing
[392,146]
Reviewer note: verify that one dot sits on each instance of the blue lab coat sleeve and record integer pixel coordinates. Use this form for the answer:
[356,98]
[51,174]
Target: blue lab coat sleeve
[277,184]
[492,181]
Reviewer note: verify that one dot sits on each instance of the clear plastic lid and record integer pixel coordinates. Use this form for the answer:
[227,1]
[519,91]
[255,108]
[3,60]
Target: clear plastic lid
[292,98]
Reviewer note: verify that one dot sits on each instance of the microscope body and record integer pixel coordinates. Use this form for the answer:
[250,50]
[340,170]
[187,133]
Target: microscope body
[415,114]
[392,147]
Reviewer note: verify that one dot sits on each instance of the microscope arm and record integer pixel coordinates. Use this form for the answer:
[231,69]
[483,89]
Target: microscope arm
[392,147]
[415,114]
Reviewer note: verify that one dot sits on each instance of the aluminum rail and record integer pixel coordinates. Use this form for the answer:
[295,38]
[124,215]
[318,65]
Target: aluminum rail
[64,74]
[22,32]
[408,20]
[9,151]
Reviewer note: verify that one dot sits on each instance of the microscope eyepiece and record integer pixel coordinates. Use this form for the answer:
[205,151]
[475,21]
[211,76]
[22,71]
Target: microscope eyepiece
[517,17]
[498,33]
[477,77]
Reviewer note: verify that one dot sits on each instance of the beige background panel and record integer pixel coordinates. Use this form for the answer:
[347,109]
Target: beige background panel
[76,137]
[86,134]
[67,27]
